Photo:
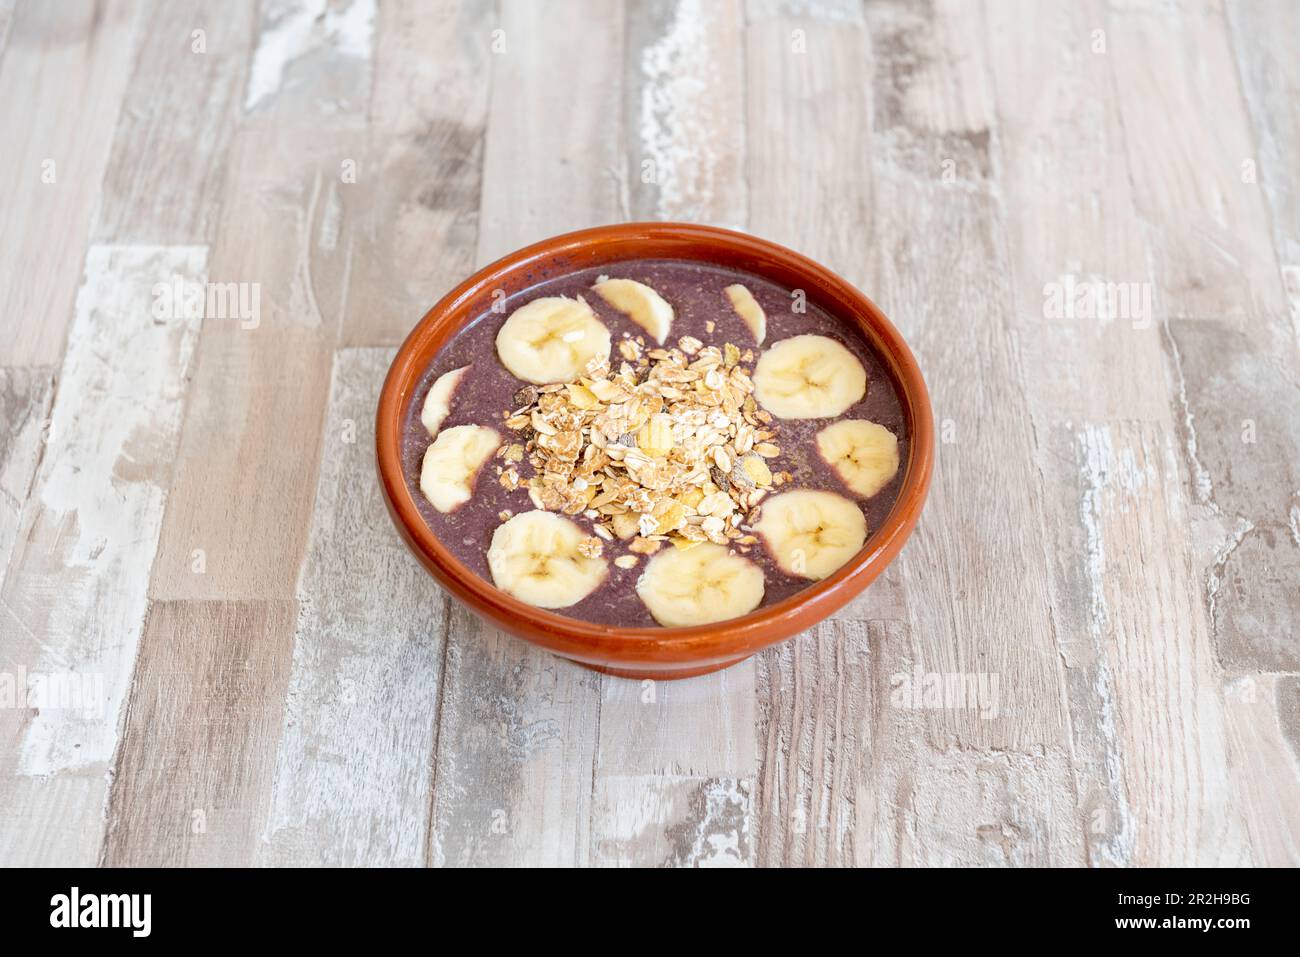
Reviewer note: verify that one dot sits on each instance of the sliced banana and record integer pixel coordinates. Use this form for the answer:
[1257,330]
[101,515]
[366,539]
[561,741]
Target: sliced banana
[811,533]
[452,463]
[703,584]
[862,453]
[552,339]
[808,377]
[643,305]
[535,557]
[437,404]
[747,307]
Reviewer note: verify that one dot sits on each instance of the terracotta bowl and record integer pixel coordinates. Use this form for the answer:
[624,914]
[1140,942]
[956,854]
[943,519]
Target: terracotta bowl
[653,652]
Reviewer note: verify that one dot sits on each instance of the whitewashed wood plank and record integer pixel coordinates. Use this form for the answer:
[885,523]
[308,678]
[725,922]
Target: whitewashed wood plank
[165,173]
[517,731]
[253,423]
[25,396]
[1262,747]
[56,149]
[815,723]
[354,768]
[518,727]
[416,195]
[192,774]
[806,95]
[311,65]
[6,19]
[553,157]
[855,781]
[672,821]
[1158,679]
[685,112]
[1263,35]
[75,594]
[937,266]
[697,727]
[1061,158]
[1240,428]
[1187,137]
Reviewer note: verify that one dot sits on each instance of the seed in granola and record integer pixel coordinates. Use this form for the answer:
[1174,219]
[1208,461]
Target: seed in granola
[526,396]
[767,450]
[603,532]
[720,459]
[626,561]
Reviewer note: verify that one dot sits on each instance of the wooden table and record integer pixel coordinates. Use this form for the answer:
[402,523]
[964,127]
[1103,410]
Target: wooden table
[1083,216]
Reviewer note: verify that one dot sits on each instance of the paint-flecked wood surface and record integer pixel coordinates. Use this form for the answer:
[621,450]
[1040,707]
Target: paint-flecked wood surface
[214,648]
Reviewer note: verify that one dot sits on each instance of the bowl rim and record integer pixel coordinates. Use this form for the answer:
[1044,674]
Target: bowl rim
[717,641]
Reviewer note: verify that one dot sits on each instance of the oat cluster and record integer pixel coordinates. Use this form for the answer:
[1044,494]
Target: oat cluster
[670,447]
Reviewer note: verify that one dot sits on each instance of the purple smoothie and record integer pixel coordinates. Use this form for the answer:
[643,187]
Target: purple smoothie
[695,291]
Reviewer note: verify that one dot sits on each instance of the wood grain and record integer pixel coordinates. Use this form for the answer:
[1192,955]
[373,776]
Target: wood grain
[25,396]
[194,765]
[56,150]
[75,591]
[165,171]
[938,253]
[1087,653]
[1270,87]
[275,239]
[416,196]
[354,766]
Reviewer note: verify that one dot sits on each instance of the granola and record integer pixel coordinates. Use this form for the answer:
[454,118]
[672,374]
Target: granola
[669,447]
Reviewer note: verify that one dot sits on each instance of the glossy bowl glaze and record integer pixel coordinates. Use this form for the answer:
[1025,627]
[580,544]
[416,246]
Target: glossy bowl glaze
[653,652]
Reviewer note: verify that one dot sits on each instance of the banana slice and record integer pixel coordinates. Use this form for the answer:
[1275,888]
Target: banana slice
[552,339]
[452,463]
[747,307]
[437,404]
[863,454]
[811,533]
[643,305]
[808,377]
[699,585]
[535,557]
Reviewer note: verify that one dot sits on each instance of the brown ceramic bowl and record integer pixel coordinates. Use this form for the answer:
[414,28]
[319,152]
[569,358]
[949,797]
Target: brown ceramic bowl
[654,652]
